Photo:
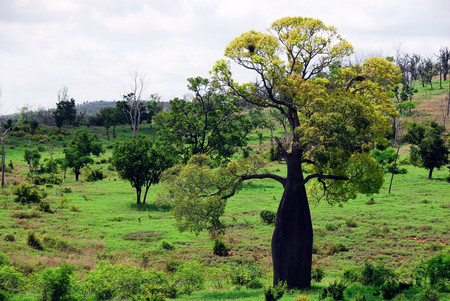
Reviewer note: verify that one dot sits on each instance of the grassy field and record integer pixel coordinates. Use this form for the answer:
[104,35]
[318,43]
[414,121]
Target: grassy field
[95,221]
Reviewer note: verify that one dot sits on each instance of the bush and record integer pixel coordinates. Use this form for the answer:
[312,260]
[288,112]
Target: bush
[66,190]
[430,294]
[334,290]
[389,289]
[10,281]
[34,241]
[47,179]
[276,292]
[45,206]
[25,214]
[317,274]
[74,208]
[375,275]
[56,243]
[57,283]
[189,277]
[10,237]
[243,274]
[95,175]
[166,245]
[268,217]
[4,260]
[27,193]
[435,272]
[220,249]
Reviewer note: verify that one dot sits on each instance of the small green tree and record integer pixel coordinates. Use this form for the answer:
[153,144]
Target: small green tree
[65,112]
[78,153]
[32,157]
[428,142]
[141,162]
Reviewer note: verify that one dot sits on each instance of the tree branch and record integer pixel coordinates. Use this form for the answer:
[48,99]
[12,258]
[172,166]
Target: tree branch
[321,177]
[278,178]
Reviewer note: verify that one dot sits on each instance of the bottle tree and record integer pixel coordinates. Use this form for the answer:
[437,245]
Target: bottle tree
[329,120]
[330,115]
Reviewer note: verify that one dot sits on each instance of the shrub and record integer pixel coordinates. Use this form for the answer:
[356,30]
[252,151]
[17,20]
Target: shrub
[435,272]
[351,223]
[220,248]
[375,275]
[4,260]
[66,190]
[317,274]
[334,290]
[330,227]
[56,243]
[34,241]
[95,175]
[10,237]
[189,277]
[430,294]
[269,217]
[276,292]
[243,274]
[10,281]
[25,214]
[27,193]
[47,179]
[57,283]
[109,281]
[74,208]
[45,206]
[166,245]
[389,289]
[172,265]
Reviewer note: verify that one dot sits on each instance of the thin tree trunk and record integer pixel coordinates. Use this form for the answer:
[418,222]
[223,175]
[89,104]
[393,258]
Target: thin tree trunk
[393,171]
[138,195]
[292,239]
[430,174]
[147,187]
[3,162]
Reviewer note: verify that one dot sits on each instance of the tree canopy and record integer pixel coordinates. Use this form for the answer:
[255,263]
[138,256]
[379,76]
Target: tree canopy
[331,112]
[427,140]
[78,153]
[141,162]
[210,124]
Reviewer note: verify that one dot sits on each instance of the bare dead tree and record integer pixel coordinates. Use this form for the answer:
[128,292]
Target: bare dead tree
[3,133]
[132,104]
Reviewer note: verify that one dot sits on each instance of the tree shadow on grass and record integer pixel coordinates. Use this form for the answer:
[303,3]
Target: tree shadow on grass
[151,207]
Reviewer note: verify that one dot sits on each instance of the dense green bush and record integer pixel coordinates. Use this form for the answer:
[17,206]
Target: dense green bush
[57,283]
[34,241]
[45,206]
[95,175]
[435,272]
[167,245]
[245,274]
[220,248]
[26,193]
[269,217]
[189,277]
[10,281]
[10,237]
[335,291]
[47,179]
[317,274]
[274,293]
[4,259]
[375,275]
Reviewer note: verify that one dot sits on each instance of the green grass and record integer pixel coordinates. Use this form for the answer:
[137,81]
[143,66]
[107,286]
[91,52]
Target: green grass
[399,229]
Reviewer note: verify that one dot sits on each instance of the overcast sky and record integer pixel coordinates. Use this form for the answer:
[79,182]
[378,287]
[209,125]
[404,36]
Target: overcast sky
[93,47]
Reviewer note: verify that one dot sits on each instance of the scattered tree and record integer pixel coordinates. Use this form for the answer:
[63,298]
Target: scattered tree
[141,162]
[328,122]
[4,128]
[133,104]
[210,124]
[65,112]
[429,143]
[78,153]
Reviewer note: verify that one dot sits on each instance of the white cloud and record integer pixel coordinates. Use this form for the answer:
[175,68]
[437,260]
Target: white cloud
[93,46]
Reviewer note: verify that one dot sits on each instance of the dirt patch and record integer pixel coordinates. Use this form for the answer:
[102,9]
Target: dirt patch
[145,236]
[431,109]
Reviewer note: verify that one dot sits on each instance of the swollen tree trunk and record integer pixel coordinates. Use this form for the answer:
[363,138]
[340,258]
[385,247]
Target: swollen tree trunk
[292,239]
